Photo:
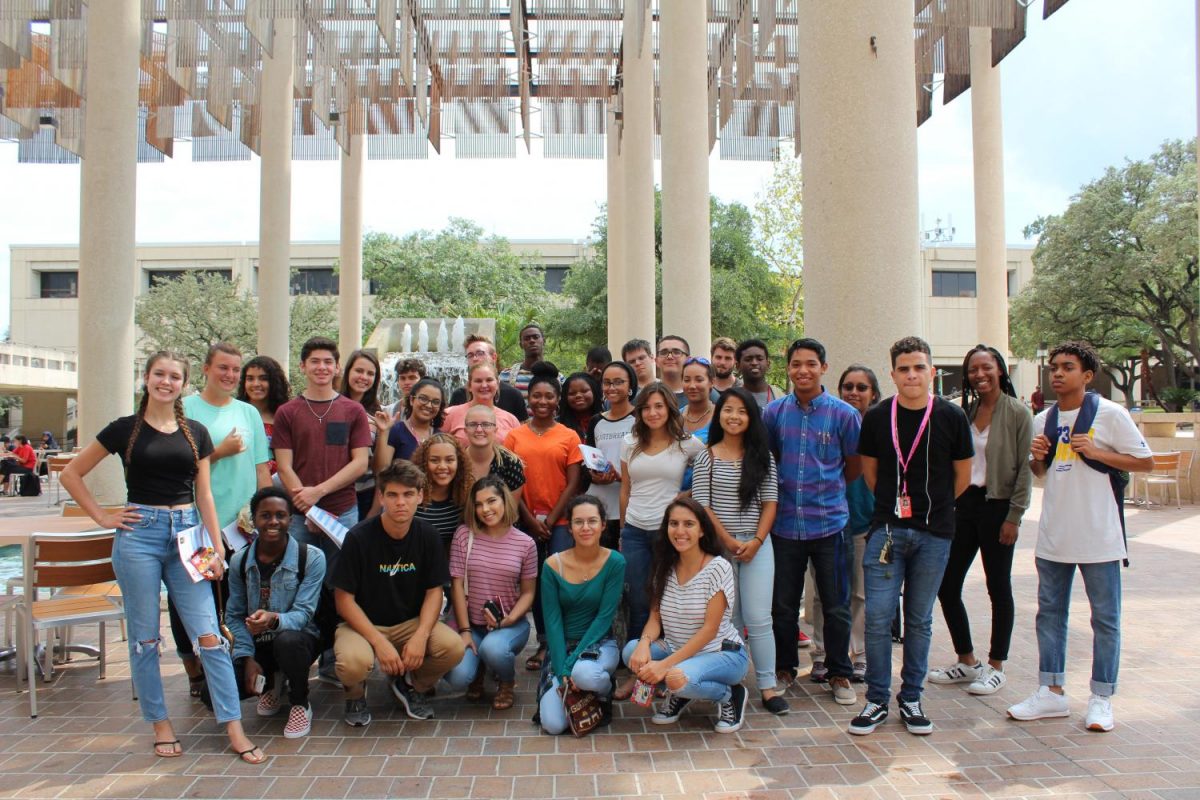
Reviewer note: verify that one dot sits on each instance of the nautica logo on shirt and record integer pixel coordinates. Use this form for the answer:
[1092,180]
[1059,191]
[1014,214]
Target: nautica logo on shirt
[393,569]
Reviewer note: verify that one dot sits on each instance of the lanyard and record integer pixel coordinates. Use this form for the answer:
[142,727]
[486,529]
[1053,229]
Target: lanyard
[901,459]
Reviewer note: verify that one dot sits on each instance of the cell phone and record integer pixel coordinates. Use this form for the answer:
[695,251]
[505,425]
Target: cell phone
[260,683]
[730,646]
[495,609]
[591,654]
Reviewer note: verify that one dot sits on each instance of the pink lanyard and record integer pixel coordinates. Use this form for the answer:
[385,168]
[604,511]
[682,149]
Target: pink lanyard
[900,459]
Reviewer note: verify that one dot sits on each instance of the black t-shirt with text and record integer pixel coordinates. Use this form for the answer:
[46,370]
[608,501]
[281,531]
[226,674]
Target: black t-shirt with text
[389,577]
[930,473]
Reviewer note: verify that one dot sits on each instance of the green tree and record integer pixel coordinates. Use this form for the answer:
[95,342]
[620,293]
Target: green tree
[747,297]
[1119,266]
[779,233]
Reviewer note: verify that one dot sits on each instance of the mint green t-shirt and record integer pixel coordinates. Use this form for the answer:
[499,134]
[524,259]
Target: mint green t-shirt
[233,479]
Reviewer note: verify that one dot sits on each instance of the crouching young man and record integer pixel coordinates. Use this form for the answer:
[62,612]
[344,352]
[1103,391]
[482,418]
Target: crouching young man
[274,586]
[388,589]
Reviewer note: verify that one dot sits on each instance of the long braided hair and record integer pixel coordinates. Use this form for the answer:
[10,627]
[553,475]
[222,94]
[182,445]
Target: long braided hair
[178,407]
[970,397]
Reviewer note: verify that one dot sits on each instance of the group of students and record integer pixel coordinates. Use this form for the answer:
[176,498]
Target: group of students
[683,557]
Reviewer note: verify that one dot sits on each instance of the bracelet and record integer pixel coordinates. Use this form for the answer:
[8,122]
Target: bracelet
[760,540]
[464,630]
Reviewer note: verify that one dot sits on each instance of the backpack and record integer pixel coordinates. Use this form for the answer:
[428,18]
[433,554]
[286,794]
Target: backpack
[1117,479]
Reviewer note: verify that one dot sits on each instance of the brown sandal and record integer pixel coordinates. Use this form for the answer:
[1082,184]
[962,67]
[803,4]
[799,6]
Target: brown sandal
[504,696]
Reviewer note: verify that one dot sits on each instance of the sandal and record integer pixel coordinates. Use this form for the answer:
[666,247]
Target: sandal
[247,755]
[504,696]
[196,686]
[175,752]
[534,662]
[624,691]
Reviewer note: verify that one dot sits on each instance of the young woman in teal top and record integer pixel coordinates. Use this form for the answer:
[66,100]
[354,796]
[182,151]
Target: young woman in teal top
[581,589]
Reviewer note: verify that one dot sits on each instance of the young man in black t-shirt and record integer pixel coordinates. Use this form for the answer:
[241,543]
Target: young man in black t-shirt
[388,589]
[916,456]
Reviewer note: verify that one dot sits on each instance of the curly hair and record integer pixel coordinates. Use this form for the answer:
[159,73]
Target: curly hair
[463,479]
[1081,350]
[277,382]
[641,431]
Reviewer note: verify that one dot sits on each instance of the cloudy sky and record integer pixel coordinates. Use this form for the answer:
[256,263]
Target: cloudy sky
[1099,82]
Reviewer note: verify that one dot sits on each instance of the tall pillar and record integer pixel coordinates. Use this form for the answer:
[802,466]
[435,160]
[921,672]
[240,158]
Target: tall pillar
[350,294]
[618,321]
[858,118]
[683,100]
[637,157]
[987,139]
[275,197]
[107,269]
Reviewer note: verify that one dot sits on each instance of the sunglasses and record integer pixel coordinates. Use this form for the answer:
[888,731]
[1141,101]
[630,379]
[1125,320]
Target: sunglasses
[856,387]
[697,360]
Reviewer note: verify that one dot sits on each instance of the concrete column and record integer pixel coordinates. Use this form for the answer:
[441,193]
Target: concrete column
[858,117]
[683,93]
[107,268]
[275,200]
[618,322]
[637,158]
[350,294]
[987,139]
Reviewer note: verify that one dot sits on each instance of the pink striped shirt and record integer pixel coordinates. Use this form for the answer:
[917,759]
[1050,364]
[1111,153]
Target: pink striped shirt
[495,569]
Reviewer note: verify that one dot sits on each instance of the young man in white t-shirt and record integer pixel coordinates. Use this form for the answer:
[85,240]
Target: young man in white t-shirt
[1080,527]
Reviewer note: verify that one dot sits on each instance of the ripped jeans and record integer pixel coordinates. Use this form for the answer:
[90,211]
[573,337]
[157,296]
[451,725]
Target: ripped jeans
[144,558]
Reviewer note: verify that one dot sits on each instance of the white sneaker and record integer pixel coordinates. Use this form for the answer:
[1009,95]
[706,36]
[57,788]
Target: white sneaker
[957,673]
[1042,704]
[1100,714]
[990,681]
[843,692]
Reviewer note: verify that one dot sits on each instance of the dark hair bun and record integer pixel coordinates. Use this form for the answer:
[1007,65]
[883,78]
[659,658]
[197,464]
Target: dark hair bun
[544,369]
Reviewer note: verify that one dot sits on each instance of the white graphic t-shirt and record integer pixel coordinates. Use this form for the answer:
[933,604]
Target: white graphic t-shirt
[1080,523]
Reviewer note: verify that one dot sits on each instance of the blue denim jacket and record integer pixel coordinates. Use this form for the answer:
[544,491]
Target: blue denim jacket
[295,604]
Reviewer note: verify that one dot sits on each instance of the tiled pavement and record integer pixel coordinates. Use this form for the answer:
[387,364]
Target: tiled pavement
[89,741]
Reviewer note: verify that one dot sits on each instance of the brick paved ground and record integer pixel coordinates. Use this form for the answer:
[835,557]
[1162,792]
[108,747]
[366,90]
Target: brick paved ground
[89,741]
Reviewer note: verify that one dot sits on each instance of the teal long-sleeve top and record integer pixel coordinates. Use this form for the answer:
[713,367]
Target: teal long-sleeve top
[581,612]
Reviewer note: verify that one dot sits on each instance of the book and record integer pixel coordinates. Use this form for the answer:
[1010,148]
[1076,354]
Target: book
[196,552]
[593,459]
[328,524]
[234,536]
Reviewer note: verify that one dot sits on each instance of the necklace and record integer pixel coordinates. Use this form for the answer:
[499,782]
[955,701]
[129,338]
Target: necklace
[589,571]
[694,420]
[320,417]
[542,431]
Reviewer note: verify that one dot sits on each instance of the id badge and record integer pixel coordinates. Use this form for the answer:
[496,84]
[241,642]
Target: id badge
[903,507]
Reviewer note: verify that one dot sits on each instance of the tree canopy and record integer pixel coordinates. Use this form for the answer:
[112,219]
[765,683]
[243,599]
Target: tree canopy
[1119,268]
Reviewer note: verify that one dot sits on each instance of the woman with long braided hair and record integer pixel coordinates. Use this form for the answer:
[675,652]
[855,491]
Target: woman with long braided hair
[166,460]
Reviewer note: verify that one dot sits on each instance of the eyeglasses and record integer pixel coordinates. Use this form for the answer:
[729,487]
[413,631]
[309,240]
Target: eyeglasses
[672,351]
[481,353]
[590,522]
[856,387]
[614,384]
[697,360]
[479,426]
[427,401]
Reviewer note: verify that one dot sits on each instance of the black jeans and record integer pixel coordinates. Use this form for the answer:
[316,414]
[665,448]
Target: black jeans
[977,522]
[831,563]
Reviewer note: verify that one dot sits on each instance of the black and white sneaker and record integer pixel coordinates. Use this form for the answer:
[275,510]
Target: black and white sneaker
[914,718]
[669,709]
[413,703]
[872,716]
[732,713]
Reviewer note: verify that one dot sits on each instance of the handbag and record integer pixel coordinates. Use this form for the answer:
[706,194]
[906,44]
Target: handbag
[583,709]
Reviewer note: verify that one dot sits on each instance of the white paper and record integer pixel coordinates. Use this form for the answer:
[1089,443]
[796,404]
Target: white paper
[328,524]
[234,536]
[190,541]
[593,458]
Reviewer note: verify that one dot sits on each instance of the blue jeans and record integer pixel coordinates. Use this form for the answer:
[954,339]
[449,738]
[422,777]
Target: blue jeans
[300,532]
[143,559]
[590,675]
[709,675]
[497,649]
[830,557]
[918,562]
[752,610]
[1103,584]
[560,539]
[637,545]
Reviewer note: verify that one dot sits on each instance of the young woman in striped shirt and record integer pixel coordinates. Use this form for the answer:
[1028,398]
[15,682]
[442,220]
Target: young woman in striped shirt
[735,480]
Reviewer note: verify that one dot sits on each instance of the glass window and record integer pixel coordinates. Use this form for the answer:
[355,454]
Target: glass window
[554,277]
[947,283]
[314,280]
[58,284]
[157,277]
[20,361]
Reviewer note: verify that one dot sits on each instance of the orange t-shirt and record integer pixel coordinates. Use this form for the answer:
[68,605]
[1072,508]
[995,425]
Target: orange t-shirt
[546,458]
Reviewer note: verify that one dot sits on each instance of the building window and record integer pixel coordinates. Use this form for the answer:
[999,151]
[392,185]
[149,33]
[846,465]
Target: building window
[5,358]
[52,364]
[37,363]
[1012,283]
[554,278]
[157,277]
[20,361]
[314,280]
[69,366]
[953,284]
[58,284]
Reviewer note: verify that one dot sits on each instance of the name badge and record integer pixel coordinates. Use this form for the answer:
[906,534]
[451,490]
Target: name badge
[903,507]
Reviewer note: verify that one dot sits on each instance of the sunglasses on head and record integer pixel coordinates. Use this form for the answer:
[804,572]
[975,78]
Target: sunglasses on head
[697,360]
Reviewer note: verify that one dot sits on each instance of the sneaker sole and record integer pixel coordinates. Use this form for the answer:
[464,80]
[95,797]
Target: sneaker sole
[657,720]
[403,701]
[330,680]
[919,730]
[859,730]
[950,681]
[361,724]
[268,712]
[1034,717]
[983,690]
[299,734]
[1100,727]
[846,701]
[729,728]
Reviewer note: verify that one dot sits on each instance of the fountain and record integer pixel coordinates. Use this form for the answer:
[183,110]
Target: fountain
[392,340]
